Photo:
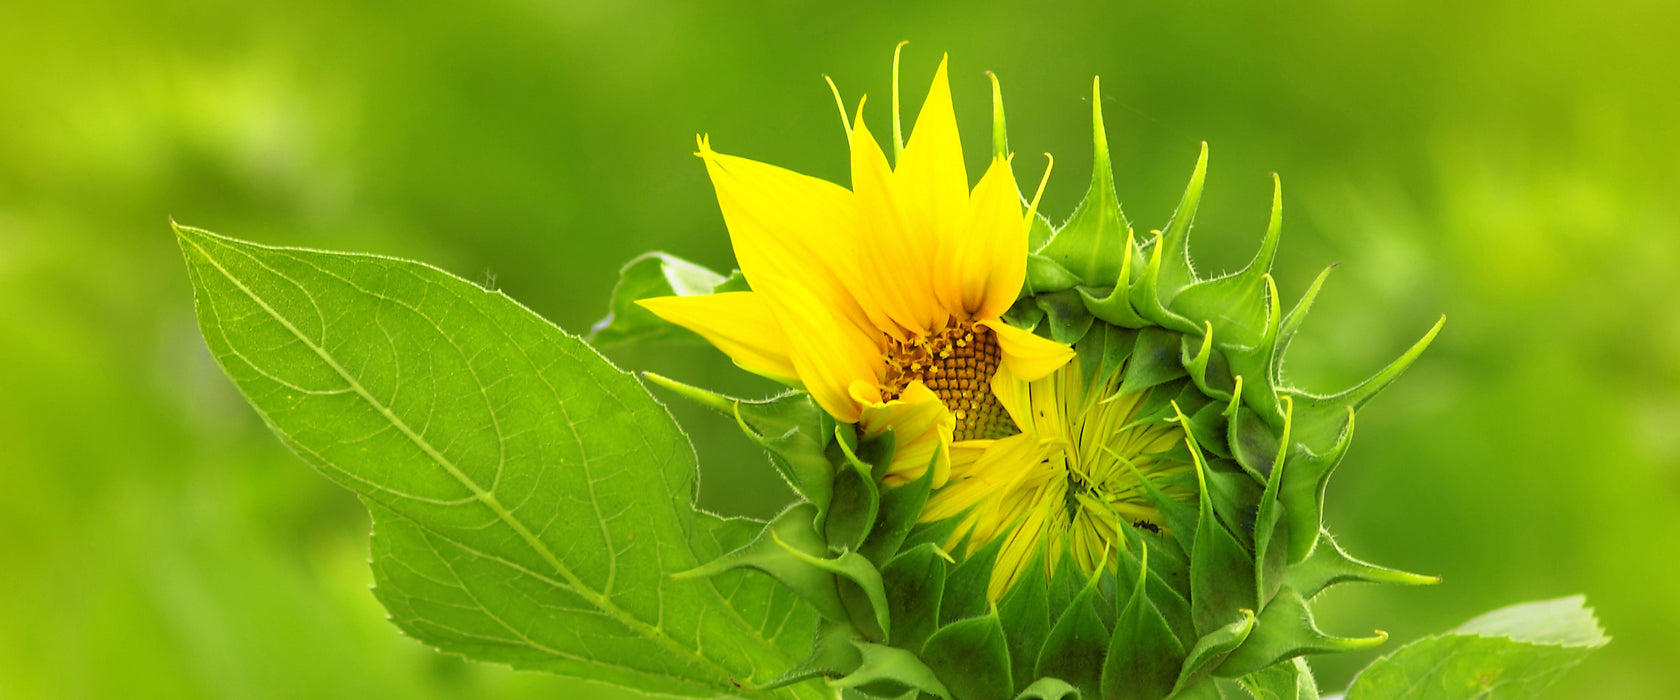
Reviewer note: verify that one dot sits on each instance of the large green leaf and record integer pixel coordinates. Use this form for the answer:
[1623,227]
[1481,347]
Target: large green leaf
[1514,652]
[528,497]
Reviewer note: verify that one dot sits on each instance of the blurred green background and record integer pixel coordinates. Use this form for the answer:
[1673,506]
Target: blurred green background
[1511,164]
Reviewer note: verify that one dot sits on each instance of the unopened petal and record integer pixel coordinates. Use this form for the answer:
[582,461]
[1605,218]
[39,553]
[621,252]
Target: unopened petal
[922,429]
[1001,464]
[1029,357]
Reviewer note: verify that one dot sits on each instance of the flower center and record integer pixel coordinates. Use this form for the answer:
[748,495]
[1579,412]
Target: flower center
[957,363]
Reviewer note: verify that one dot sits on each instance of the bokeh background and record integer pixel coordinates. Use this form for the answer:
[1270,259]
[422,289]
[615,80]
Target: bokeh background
[1512,164]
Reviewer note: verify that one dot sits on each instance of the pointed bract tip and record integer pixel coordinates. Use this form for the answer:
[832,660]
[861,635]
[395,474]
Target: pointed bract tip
[1032,209]
[1099,132]
[841,103]
[1000,134]
[709,399]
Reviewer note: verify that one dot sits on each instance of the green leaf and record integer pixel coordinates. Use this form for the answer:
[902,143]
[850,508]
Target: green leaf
[527,496]
[1305,477]
[1515,652]
[965,589]
[1044,276]
[790,551]
[856,499]
[1114,306]
[896,517]
[1025,614]
[1049,689]
[1169,601]
[862,594]
[655,275]
[1155,360]
[1564,622]
[891,671]
[834,653]
[1221,571]
[1208,369]
[1144,656]
[1175,271]
[1236,303]
[1065,311]
[1103,352]
[1078,642]
[1213,648]
[971,658]
[1329,565]
[1285,630]
[1291,680]
[915,582]
[791,427]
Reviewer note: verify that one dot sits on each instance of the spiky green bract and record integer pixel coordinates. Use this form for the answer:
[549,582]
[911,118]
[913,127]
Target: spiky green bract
[1263,450]
[1210,601]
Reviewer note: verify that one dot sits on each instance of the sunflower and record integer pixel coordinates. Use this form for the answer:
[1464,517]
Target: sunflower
[884,300]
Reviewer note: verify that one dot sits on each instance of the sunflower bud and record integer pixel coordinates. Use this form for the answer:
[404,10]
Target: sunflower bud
[1032,461]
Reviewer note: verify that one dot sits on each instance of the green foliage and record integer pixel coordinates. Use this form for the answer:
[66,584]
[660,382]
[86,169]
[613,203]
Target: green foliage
[455,423]
[528,498]
[160,542]
[1511,653]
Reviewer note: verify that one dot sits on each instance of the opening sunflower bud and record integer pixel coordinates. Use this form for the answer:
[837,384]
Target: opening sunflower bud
[1051,460]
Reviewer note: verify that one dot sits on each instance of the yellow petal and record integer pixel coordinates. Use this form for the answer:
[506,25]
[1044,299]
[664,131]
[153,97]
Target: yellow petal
[965,454]
[794,238]
[738,323]
[1028,356]
[827,356]
[930,176]
[894,253]
[1001,465]
[789,230]
[922,429]
[1017,551]
[985,264]
[1016,397]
